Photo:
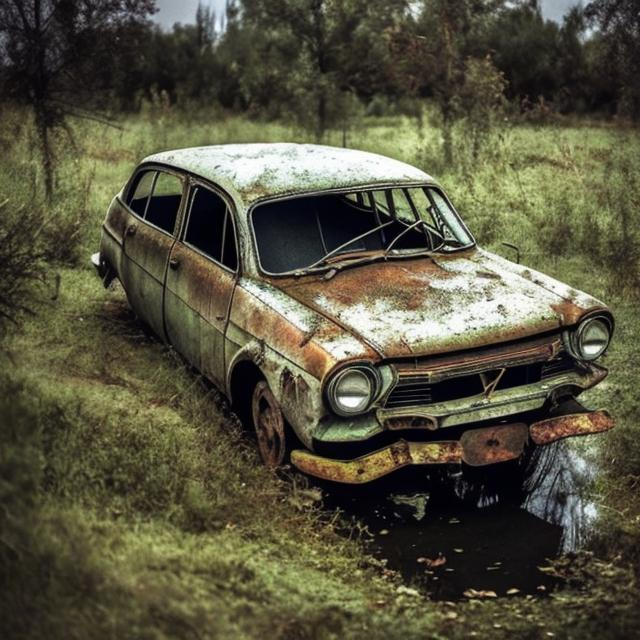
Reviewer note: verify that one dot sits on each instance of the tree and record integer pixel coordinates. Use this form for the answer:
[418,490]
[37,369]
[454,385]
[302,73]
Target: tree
[55,53]
[619,24]
[432,50]
[526,49]
[326,46]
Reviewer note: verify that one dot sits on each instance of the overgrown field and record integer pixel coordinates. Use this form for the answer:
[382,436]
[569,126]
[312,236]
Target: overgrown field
[133,506]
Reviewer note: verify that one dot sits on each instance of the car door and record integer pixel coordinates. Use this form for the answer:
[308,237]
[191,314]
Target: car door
[202,273]
[153,208]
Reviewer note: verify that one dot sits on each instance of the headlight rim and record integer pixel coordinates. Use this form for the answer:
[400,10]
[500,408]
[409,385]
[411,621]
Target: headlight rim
[374,379]
[572,337]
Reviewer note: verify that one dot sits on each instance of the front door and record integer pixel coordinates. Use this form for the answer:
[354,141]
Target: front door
[200,282]
[149,235]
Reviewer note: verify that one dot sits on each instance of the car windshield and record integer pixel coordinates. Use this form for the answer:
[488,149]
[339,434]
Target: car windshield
[309,233]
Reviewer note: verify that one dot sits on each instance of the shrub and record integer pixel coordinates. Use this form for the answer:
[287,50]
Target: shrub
[481,102]
[619,197]
[22,266]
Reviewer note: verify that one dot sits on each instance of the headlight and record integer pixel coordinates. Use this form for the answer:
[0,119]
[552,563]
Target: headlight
[352,390]
[591,338]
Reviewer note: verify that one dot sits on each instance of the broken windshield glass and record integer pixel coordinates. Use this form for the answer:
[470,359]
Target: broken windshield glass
[317,232]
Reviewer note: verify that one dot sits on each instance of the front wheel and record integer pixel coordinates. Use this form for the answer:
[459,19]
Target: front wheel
[268,422]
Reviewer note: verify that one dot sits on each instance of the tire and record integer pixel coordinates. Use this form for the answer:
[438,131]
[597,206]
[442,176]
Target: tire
[269,425]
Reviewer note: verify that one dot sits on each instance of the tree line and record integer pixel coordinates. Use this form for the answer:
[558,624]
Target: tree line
[306,58]
[320,62]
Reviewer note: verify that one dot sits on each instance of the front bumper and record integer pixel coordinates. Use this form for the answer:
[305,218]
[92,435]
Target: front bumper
[476,447]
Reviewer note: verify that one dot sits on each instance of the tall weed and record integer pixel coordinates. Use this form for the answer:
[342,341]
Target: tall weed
[618,199]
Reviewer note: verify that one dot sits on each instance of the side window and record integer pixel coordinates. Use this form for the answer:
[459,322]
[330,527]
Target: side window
[139,195]
[382,203]
[443,211]
[424,207]
[404,212]
[162,210]
[210,227]
[358,200]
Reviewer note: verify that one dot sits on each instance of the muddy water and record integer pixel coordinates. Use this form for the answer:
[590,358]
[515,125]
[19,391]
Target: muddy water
[485,529]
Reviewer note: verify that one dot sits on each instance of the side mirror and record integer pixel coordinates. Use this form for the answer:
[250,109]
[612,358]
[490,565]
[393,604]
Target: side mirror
[515,248]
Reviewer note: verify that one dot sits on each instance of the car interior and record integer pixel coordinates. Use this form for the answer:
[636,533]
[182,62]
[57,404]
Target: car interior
[293,234]
[161,210]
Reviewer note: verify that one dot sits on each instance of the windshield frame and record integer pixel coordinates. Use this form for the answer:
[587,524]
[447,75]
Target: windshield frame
[366,188]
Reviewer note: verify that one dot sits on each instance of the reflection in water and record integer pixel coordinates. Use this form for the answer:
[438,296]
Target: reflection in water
[486,529]
[557,491]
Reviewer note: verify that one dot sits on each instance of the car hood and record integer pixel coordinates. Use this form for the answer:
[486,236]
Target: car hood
[436,305]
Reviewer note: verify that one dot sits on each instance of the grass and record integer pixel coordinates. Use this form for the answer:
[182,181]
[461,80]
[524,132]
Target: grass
[134,506]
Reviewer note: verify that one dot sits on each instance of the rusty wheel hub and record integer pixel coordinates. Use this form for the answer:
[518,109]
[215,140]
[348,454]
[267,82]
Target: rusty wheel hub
[269,425]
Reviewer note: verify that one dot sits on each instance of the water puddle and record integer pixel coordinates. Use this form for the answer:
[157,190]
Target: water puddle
[487,530]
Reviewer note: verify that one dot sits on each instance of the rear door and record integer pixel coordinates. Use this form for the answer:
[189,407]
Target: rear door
[154,202]
[202,273]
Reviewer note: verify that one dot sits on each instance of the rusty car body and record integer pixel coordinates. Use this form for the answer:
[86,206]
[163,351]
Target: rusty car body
[341,304]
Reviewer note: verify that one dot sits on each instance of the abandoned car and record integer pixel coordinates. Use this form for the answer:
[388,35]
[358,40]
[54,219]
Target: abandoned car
[342,305]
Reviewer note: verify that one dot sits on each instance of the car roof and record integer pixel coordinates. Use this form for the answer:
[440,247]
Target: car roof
[259,170]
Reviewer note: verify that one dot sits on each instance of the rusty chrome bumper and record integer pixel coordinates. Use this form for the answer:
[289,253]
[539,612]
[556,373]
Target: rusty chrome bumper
[577,424]
[476,447]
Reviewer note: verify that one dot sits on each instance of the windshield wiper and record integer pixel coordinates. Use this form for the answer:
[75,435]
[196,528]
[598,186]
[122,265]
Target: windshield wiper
[413,226]
[326,258]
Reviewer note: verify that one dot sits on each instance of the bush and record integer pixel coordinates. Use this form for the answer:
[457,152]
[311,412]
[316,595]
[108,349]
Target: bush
[481,102]
[22,267]
[619,197]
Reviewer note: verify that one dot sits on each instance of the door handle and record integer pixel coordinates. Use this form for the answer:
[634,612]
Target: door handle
[174,263]
[131,230]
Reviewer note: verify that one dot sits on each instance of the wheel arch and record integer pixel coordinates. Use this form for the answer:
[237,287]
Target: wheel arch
[297,392]
[243,377]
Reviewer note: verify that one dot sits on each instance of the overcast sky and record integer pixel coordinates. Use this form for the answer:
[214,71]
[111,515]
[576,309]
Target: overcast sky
[171,11]
[185,10]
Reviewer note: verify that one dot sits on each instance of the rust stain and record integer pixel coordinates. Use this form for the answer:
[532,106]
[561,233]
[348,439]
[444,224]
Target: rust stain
[281,335]
[552,429]
[568,311]
[426,306]
[410,422]
[296,333]
[379,463]
[287,382]
[493,444]
[439,368]
[294,388]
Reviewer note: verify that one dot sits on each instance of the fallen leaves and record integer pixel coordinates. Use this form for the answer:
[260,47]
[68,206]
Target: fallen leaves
[432,563]
[479,594]
[551,571]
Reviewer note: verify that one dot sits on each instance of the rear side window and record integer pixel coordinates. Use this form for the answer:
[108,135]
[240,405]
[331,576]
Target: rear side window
[141,191]
[210,228]
[164,203]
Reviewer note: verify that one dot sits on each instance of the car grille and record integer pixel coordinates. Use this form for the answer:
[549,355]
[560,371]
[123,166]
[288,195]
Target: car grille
[412,390]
